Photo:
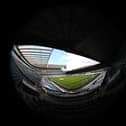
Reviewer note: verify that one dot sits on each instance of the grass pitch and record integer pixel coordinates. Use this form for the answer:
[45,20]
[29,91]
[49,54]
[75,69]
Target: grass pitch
[73,82]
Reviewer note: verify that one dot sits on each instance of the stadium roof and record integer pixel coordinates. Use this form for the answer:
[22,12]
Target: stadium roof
[36,55]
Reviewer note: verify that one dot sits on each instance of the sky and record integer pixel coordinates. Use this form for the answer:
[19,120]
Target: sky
[60,57]
[72,61]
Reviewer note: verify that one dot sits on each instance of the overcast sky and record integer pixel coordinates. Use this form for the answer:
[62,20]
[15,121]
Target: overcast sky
[71,60]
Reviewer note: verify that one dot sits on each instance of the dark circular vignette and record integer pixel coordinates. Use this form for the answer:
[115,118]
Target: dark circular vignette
[18,107]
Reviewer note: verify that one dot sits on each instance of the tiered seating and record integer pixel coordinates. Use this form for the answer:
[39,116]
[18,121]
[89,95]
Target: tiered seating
[28,72]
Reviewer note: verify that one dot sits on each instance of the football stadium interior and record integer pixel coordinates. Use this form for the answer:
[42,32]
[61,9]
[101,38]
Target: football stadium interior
[33,63]
[53,90]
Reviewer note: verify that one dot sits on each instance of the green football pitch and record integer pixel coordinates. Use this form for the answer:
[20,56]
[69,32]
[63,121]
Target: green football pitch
[73,82]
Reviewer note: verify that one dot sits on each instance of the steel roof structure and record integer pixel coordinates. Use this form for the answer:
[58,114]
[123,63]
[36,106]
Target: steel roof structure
[36,54]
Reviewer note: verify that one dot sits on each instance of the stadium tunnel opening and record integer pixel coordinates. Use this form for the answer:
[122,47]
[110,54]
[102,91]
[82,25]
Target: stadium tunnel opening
[92,36]
[52,77]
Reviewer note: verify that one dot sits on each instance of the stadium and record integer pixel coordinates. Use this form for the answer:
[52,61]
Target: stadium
[65,91]
[48,87]
[53,78]
[49,82]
